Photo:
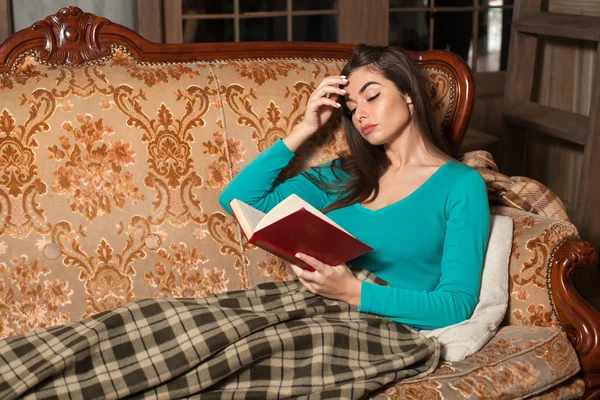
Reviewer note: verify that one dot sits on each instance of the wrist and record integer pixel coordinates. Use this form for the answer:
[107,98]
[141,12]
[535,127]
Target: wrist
[297,136]
[353,296]
[302,129]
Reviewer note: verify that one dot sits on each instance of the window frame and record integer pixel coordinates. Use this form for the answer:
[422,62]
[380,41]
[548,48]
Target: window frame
[356,14]
[476,8]
[353,18]
[174,18]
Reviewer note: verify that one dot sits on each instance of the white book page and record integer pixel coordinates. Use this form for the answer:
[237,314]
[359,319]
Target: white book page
[291,204]
[247,216]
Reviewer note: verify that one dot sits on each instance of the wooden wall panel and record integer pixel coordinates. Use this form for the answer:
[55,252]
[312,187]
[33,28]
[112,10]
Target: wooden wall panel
[150,20]
[563,80]
[5,20]
[557,164]
[173,24]
[581,7]
[564,77]
[356,22]
[487,108]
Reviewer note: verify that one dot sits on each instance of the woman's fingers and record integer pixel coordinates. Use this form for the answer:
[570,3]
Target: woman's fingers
[307,285]
[326,94]
[313,262]
[328,91]
[330,86]
[315,105]
[333,80]
[296,270]
[301,275]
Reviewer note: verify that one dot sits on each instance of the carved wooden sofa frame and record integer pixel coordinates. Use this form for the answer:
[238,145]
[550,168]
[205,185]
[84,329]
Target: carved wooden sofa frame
[72,38]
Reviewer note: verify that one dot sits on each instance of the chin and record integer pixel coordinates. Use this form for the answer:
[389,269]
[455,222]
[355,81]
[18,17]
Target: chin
[374,140]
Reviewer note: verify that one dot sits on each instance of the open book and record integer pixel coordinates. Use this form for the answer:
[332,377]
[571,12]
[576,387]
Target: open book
[294,226]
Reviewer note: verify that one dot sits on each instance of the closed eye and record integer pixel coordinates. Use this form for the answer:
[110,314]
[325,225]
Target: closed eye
[351,112]
[373,97]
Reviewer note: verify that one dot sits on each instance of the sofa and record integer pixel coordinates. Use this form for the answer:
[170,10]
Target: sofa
[114,150]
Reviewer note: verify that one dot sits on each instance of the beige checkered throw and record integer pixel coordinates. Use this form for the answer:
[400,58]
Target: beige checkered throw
[276,340]
[515,191]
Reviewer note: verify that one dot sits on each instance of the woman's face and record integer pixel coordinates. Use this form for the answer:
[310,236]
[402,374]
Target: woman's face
[379,112]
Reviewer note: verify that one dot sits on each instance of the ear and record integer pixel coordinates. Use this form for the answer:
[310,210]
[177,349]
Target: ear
[411,110]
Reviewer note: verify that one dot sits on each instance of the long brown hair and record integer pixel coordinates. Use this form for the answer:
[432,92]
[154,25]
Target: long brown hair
[366,162]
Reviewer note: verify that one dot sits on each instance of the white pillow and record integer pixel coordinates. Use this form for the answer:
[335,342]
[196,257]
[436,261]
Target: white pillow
[465,338]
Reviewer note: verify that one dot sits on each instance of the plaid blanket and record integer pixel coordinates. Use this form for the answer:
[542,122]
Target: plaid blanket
[276,340]
[515,191]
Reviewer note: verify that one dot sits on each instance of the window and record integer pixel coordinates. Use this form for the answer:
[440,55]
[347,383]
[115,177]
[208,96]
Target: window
[477,30]
[250,20]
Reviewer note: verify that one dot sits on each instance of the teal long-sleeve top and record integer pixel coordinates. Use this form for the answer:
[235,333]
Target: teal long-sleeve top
[429,246]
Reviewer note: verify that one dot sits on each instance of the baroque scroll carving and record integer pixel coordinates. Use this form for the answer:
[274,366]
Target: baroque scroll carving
[72,37]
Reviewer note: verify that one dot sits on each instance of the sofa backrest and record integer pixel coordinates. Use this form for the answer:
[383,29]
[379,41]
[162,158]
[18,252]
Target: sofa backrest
[113,151]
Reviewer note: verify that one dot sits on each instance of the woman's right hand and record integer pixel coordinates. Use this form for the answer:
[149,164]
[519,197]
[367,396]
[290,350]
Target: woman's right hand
[323,101]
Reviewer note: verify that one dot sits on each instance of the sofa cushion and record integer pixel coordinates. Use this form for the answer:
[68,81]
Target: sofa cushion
[572,388]
[535,238]
[520,361]
[113,195]
[465,338]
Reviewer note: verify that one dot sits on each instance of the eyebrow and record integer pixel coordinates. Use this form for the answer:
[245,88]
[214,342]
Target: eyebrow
[364,87]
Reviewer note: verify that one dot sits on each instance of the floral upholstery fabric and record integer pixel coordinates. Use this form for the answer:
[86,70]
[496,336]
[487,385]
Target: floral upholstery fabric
[534,239]
[109,179]
[573,388]
[518,362]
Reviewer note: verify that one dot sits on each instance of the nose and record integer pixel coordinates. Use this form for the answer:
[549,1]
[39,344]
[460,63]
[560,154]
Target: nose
[361,113]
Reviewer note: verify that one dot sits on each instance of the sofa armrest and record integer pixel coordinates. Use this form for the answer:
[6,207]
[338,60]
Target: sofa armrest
[578,318]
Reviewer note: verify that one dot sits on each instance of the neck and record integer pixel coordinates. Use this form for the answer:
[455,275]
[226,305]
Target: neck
[409,150]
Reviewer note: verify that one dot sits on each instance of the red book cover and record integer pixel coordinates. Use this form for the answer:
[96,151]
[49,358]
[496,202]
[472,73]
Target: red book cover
[303,232]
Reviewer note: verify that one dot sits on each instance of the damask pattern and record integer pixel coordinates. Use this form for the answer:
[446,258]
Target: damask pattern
[150,75]
[29,301]
[117,167]
[19,182]
[94,164]
[81,82]
[221,170]
[182,277]
[534,237]
[23,73]
[93,176]
[263,71]
[516,363]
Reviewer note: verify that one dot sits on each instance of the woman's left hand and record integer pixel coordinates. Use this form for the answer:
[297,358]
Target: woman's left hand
[334,282]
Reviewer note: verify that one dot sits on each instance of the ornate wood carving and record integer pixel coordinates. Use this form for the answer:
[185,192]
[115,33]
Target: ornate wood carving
[578,318]
[72,37]
[464,90]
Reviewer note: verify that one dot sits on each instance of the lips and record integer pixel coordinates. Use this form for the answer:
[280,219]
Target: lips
[367,129]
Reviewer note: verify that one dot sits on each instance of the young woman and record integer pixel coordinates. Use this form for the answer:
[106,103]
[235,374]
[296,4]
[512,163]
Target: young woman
[399,191]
